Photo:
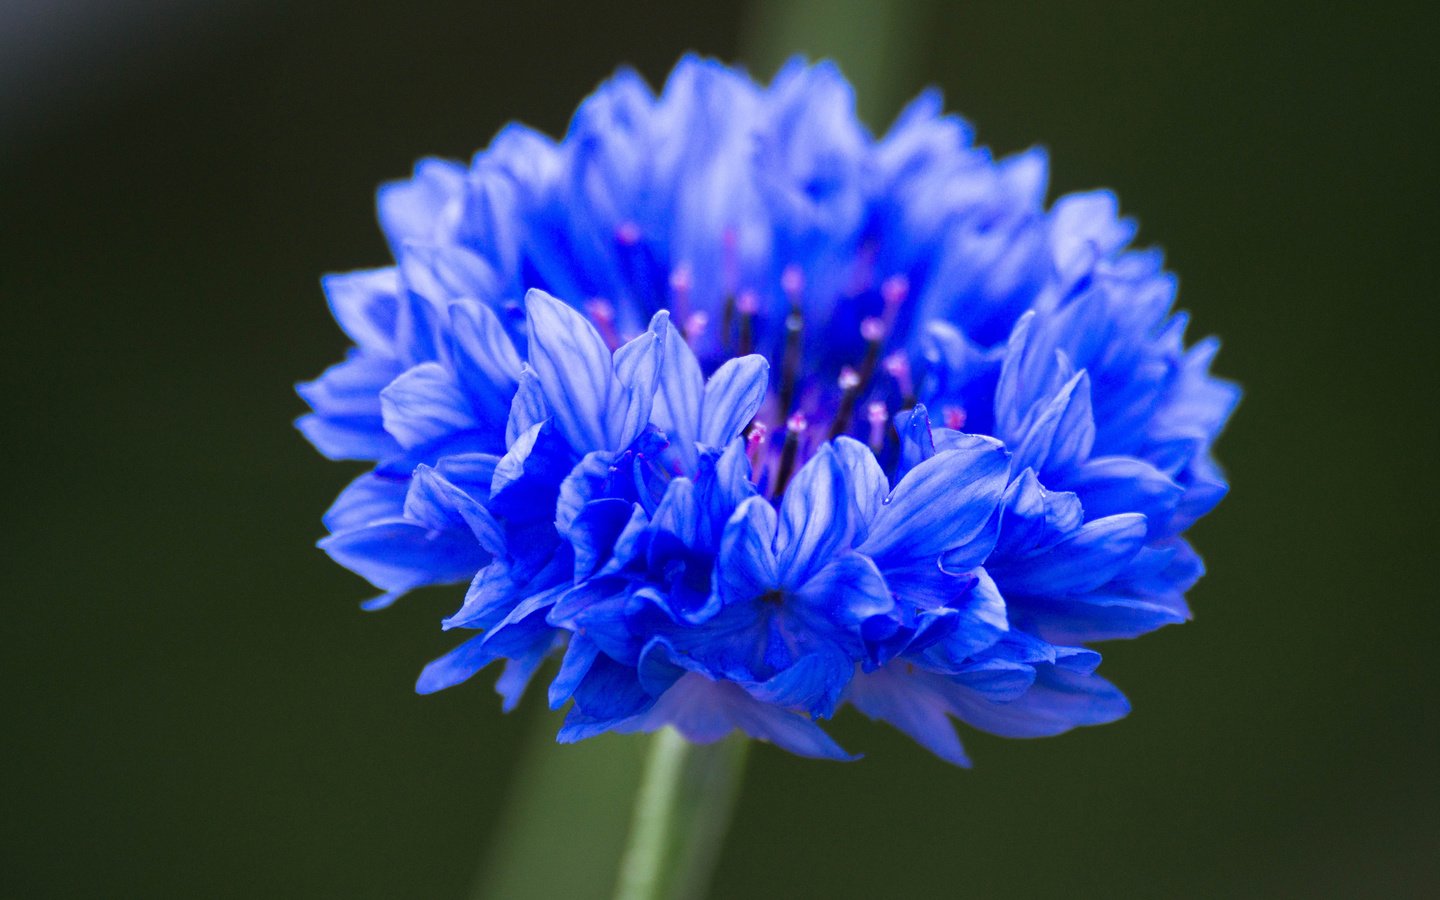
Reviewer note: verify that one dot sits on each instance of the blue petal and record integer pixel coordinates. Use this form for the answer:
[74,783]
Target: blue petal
[594,532]
[705,710]
[732,397]
[910,704]
[578,656]
[814,683]
[349,438]
[400,555]
[637,368]
[848,589]
[610,690]
[1116,484]
[1034,519]
[1081,562]
[816,521]
[351,389]
[366,306]
[527,408]
[573,365]
[412,210]
[424,405]
[747,567]
[1061,436]
[943,504]
[473,473]
[1098,616]
[366,499]
[723,481]
[528,478]
[867,483]
[436,503]
[455,667]
[484,358]
[1059,701]
[681,391]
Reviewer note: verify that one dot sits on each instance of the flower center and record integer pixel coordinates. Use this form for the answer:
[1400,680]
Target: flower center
[773,597]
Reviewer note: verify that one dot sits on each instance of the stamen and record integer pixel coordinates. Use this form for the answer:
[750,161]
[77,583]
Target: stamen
[730,260]
[894,290]
[873,331]
[794,427]
[792,282]
[681,281]
[878,416]
[694,326]
[727,321]
[628,234]
[790,374]
[897,366]
[603,315]
[747,303]
[754,446]
[862,278]
[954,417]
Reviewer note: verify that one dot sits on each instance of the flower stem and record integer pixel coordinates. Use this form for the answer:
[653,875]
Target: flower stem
[681,813]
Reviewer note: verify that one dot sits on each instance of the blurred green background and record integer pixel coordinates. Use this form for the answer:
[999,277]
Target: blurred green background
[196,707]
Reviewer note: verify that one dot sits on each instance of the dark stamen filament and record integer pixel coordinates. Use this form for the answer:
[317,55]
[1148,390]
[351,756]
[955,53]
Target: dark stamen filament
[898,368]
[873,330]
[794,427]
[727,322]
[747,304]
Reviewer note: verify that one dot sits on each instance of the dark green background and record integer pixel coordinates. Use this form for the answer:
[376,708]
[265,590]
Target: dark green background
[194,705]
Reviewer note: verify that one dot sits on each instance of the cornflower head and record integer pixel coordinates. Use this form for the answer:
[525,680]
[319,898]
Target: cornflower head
[745,415]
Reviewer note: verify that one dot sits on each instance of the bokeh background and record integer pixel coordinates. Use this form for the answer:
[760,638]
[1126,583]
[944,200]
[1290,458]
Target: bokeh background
[195,707]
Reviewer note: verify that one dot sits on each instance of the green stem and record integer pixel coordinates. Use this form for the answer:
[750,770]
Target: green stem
[681,813]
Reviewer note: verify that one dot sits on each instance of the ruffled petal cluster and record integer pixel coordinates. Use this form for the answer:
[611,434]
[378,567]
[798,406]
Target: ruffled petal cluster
[742,415]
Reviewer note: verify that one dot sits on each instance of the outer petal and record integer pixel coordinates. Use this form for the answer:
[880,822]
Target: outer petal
[867,483]
[425,405]
[911,704]
[1081,562]
[815,519]
[681,391]
[945,502]
[1059,701]
[747,567]
[732,397]
[573,365]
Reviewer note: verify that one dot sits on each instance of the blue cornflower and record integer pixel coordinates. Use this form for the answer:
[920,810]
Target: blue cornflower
[746,415]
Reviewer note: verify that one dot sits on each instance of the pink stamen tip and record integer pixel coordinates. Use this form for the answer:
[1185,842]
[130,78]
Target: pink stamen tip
[756,434]
[681,280]
[897,366]
[797,423]
[748,303]
[872,329]
[600,310]
[894,290]
[792,280]
[628,234]
[954,418]
[849,379]
[876,413]
[695,324]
